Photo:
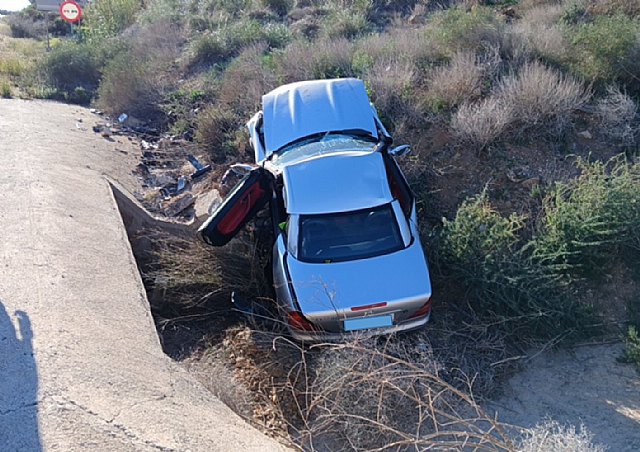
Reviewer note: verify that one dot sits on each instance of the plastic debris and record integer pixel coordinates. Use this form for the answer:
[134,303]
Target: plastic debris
[200,168]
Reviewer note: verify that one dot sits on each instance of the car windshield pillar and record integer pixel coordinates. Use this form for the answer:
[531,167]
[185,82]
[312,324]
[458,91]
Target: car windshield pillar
[405,231]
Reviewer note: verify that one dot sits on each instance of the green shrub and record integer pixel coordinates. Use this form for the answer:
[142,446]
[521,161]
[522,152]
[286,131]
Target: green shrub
[228,41]
[325,58]
[280,7]
[132,88]
[106,18]
[457,29]
[482,250]
[5,89]
[215,128]
[71,65]
[590,221]
[345,23]
[209,48]
[606,49]
[631,353]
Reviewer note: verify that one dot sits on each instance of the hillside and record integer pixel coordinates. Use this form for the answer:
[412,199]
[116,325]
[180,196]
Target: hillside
[523,119]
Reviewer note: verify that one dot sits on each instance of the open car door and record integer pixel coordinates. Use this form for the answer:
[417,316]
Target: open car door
[243,202]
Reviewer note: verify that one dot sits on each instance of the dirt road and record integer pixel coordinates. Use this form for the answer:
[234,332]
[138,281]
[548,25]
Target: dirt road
[585,385]
[81,367]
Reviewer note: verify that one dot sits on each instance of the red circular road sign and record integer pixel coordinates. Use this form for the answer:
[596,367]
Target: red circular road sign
[70,11]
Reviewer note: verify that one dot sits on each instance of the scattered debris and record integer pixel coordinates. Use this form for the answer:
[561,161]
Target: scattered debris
[179,204]
[517,175]
[200,168]
[585,134]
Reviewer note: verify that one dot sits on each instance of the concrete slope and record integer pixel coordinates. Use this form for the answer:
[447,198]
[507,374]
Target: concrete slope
[81,367]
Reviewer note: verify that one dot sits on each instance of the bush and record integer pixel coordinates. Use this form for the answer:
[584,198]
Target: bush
[215,127]
[481,124]
[618,115]
[631,353]
[461,80]
[106,18]
[71,65]
[368,394]
[228,41]
[541,98]
[591,220]
[319,60]
[481,250]
[345,23]
[23,26]
[551,436]
[391,86]
[456,29]
[280,7]
[132,88]
[607,49]
[614,7]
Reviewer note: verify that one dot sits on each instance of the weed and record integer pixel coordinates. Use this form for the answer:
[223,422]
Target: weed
[215,126]
[481,124]
[455,29]
[541,98]
[461,80]
[606,49]
[5,89]
[631,353]
[617,113]
[135,89]
[551,436]
[107,18]
[71,65]
[589,221]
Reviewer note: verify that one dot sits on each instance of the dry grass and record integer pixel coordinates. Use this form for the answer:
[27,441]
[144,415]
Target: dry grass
[550,436]
[481,124]
[391,84]
[540,33]
[365,394]
[318,60]
[618,115]
[463,79]
[541,97]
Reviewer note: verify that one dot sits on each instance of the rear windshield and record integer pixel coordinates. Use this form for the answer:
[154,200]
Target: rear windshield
[348,236]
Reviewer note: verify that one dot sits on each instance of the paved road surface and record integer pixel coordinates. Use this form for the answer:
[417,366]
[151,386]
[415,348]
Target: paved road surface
[81,366]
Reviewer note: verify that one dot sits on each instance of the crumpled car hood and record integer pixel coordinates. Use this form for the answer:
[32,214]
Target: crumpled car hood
[301,109]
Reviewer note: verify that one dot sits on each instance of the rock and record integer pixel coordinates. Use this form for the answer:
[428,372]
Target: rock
[585,134]
[518,174]
[205,204]
[179,204]
[530,183]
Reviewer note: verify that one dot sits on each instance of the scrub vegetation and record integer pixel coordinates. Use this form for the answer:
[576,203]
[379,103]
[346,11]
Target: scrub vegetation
[523,116]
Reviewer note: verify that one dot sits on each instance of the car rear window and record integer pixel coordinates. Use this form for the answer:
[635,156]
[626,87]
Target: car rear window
[348,236]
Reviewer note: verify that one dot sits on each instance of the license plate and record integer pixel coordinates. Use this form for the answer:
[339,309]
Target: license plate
[364,323]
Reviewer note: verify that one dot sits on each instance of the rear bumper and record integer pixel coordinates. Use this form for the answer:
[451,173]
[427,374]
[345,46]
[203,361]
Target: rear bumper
[323,336]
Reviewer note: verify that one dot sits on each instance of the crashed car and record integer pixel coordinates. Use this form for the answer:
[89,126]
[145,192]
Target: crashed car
[346,255]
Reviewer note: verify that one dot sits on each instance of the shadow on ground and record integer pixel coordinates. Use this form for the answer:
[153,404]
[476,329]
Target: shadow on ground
[18,384]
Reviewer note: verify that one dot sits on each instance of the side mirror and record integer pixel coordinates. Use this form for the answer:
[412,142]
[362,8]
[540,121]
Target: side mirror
[399,151]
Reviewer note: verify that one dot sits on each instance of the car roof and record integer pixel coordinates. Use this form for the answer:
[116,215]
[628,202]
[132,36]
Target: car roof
[336,183]
[301,109]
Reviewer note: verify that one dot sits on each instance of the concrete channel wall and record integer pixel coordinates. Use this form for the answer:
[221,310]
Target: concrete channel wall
[81,367]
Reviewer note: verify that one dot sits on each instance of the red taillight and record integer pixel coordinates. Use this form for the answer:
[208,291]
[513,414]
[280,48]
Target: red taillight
[424,310]
[298,322]
[369,306]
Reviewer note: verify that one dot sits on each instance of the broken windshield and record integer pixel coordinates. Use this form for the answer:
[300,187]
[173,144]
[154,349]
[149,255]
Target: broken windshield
[322,144]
